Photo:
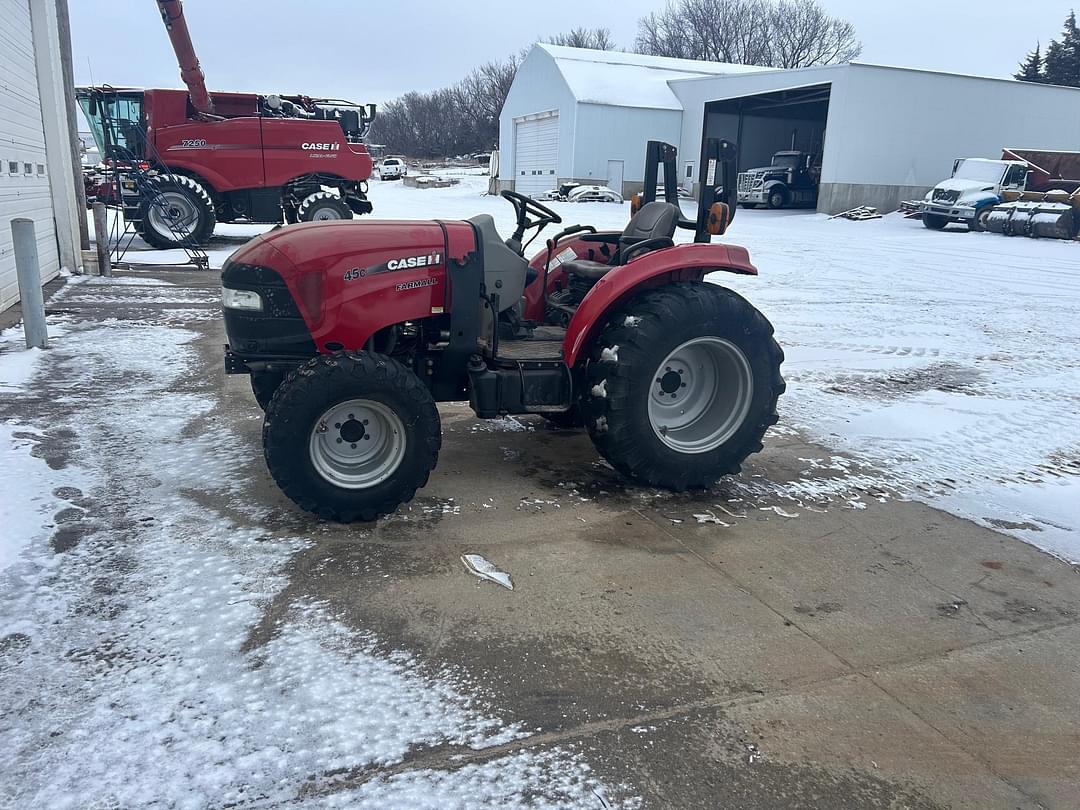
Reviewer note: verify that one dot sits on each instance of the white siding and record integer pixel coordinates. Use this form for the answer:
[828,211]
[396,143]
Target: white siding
[22,142]
[620,133]
[536,154]
[905,127]
[538,87]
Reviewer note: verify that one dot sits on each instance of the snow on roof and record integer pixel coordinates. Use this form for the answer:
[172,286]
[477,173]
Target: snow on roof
[630,79]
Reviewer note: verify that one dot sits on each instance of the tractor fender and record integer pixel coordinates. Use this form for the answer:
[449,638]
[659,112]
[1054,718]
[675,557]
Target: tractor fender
[679,263]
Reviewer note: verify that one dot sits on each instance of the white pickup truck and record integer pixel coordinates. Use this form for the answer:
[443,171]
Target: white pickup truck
[392,168]
[972,192]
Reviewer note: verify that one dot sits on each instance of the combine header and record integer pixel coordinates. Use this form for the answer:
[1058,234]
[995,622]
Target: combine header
[177,162]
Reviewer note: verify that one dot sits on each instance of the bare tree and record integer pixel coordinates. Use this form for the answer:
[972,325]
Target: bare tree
[771,33]
[456,120]
[596,39]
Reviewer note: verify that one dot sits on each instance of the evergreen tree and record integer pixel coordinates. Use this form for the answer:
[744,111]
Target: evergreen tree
[1070,44]
[1056,64]
[1031,68]
[1062,62]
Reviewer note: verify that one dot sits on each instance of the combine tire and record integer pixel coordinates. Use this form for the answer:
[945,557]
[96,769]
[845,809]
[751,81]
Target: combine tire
[934,222]
[179,214]
[351,436]
[682,385]
[321,206]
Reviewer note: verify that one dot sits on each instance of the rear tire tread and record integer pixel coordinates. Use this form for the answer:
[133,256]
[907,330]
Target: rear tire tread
[612,420]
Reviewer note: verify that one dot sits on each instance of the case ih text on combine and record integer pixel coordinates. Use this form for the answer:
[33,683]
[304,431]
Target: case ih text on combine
[223,157]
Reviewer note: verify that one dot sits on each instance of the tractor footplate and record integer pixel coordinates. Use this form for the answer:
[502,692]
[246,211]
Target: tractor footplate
[545,344]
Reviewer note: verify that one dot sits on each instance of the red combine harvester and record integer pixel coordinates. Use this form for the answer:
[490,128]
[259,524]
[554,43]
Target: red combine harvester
[177,162]
[351,332]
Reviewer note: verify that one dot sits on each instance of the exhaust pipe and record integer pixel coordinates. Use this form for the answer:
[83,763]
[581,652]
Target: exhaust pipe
[172,14]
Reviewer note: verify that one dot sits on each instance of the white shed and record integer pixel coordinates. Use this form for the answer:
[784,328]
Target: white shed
[583,115]
[36,166]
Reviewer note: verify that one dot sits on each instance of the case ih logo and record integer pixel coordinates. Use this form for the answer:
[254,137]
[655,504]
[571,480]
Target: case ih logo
[408,263]
[413,261]
[325,147]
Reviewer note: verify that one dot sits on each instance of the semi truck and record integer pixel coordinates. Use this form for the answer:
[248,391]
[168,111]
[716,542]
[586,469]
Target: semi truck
[791,180]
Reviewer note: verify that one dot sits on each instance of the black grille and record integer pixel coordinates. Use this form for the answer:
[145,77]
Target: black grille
[946,196]
[279,329]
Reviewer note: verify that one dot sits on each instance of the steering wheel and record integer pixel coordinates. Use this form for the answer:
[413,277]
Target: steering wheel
[523,207]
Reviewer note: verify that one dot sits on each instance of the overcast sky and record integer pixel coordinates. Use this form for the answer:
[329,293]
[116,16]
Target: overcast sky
[373,51]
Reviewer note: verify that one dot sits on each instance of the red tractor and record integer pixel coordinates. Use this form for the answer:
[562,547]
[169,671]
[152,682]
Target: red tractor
[351,333]
[224,157]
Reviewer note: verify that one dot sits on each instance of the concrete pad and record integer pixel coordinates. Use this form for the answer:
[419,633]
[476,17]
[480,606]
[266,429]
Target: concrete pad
[1014,705]
[837,745]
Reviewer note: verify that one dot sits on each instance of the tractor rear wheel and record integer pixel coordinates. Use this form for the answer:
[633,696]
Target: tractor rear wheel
[682,385]
[322,206]
[178,213]
[351,436]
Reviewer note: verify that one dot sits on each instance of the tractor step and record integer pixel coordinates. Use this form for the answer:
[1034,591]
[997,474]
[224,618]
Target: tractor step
[544,344]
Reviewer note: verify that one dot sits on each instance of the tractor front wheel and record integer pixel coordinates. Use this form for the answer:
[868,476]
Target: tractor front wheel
[351,436]
[682,385]
[322,206]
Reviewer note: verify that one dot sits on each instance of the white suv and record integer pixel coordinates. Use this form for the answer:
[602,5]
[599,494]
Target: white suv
[392,169]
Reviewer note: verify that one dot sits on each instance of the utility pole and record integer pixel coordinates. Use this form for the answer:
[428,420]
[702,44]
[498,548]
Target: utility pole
[64,31]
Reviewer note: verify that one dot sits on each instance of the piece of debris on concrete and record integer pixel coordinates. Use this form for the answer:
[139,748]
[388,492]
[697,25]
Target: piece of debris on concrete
[709,517]
[481,567]
[779,511]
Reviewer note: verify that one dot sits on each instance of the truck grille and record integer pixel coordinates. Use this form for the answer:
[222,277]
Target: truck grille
[745,182]
[946,196]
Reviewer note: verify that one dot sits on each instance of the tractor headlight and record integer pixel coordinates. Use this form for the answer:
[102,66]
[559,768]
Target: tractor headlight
[241,299]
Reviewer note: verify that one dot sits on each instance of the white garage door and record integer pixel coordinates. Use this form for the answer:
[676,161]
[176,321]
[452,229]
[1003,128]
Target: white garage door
[24,182]
[536,154]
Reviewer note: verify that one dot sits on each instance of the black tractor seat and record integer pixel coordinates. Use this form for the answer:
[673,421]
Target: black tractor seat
[654,223]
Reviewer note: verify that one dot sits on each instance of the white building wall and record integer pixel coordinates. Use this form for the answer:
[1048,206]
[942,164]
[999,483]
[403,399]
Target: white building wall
[696,93]
[538,88]
[23,193]
[54,115]
[905,127]
[620,133]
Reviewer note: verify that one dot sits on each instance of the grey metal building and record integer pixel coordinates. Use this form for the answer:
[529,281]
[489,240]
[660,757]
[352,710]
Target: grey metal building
[884,134]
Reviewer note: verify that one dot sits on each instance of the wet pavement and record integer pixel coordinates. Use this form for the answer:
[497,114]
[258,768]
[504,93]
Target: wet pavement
[793,638]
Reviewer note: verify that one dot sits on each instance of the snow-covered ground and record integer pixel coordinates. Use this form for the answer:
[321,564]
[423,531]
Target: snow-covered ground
[948,364]
[949,361]
[128,604]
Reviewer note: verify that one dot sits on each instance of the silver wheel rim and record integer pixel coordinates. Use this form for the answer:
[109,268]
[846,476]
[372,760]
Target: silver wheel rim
[700,395]
[173,214]
[325,212]
[357,444]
